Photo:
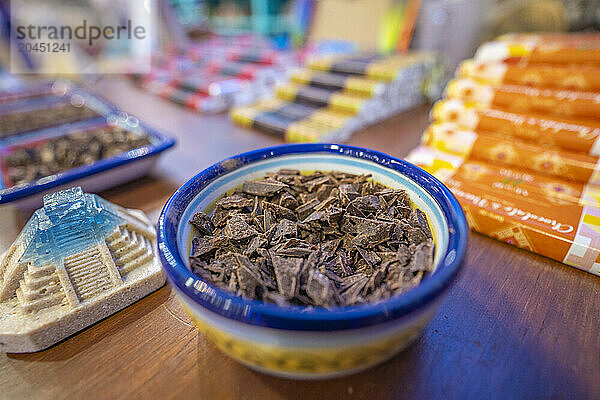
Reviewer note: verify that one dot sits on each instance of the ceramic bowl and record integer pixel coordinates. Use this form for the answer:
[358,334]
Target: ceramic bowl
[295,341]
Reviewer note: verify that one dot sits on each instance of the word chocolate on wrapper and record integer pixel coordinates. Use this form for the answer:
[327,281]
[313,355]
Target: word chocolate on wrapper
[320,239]
[516,141]
[554,218]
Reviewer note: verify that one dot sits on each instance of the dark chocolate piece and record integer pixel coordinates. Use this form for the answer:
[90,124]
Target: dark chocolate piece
[326,239]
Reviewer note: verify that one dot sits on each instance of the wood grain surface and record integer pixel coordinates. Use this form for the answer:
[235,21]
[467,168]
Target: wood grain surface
[513,326]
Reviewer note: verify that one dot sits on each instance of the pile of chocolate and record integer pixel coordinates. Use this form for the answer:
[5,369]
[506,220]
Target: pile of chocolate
[24,164]
[22,121]
[324,239]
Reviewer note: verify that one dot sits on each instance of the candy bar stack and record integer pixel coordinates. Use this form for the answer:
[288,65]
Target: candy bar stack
[516,140]
[212,76]
[337,95]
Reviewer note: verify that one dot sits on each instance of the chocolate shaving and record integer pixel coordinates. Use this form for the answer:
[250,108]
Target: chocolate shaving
[326,239]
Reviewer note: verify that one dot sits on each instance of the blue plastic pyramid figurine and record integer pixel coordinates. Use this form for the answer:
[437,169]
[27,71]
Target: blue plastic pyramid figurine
[69,222]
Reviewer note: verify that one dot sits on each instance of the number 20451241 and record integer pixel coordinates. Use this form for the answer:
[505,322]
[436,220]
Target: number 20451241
[44,47]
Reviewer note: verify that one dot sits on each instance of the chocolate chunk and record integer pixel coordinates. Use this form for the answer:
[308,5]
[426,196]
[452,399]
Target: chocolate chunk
[415,235]
[256,242]
[279,211]
[202,222]
[315,216]
[288,201]
[418,219]
[324,239]
[366,204]
[262,188]
[287,273]
[220,216]
[202,245]
[317,183]
[352,293]
[248,279]
[369,256]
[306,209]
[318,288]
[238,229]
[422,258]
[235,201]
[372,234]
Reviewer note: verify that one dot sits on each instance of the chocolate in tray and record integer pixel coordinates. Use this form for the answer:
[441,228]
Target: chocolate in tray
[34,160]
[26,93]
[15,122]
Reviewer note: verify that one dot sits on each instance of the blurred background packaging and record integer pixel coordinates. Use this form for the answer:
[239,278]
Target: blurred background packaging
[453,28]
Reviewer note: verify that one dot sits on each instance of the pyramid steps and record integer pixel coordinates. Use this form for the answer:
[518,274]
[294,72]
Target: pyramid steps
[9,276]
[41,271]
[88,274]
[30,294]
[130,249]
[41,302]
[36,283]
[40,288]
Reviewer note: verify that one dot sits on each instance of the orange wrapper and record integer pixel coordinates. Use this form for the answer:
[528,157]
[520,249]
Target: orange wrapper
[521,99]
[542,51]
[569,233]
[578,135]
[496,149]
[573,77]
[548,38]
[511,181]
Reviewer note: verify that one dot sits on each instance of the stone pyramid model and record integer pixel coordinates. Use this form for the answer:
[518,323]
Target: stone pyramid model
[78,260]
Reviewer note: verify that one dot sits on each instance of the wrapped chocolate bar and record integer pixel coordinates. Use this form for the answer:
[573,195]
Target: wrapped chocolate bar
[321,115]
[562,230]
[517,98]
[78,260]
[515,181]
[494,148]
[346,93]
[291,129]
[377,67]
[258,73]
[578,135]
[333,99]
[208,85]
[354,85]
[261,56]
[210,77]
[198,102]
[540,49]
[570,76]
[295,122]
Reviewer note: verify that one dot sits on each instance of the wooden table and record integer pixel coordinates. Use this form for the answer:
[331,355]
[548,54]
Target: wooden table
[514,325]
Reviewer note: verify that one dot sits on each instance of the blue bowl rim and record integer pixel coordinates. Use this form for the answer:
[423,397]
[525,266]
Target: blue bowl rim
[301,318]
